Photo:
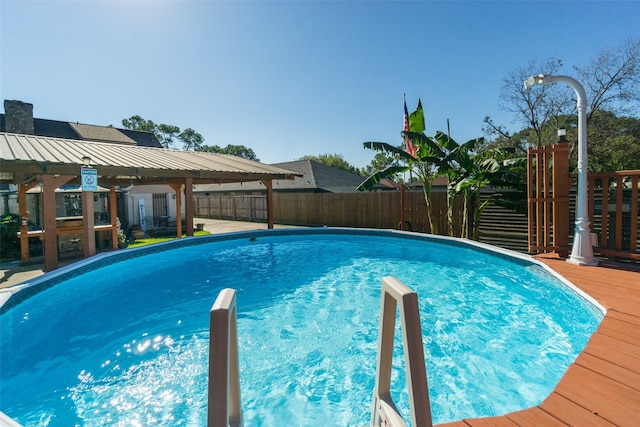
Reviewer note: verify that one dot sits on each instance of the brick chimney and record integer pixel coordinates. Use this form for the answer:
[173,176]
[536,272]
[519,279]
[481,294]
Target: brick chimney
[18,117]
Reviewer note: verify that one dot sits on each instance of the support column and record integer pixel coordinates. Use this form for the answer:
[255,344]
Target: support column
[50,244]
[269,184]
[188,205]
[24,220]
[88,224]
[113,213]
[178,189]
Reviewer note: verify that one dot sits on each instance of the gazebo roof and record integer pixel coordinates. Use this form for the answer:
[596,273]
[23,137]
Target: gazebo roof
[23,156]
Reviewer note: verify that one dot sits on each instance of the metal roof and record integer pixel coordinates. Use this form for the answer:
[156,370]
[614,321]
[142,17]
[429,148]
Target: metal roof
[26,155]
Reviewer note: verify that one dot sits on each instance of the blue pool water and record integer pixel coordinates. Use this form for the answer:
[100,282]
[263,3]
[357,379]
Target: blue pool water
[126,343]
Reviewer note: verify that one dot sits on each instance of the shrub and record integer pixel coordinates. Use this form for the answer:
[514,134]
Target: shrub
[9,227]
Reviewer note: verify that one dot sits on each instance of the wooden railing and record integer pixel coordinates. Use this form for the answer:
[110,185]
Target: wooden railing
[613,210]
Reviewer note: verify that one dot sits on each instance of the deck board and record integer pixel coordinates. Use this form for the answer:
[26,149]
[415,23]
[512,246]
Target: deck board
[615,372]
[534,417]
[602,387]
[615,351]
[621,330]
[609,399]
[571,413]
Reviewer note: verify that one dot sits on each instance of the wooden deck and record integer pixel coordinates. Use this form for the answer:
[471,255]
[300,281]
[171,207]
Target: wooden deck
[602,387]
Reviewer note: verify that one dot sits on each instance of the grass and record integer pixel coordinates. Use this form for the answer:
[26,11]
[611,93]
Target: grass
[151,241]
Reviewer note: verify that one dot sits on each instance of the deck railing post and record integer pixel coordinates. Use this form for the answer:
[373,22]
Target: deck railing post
[224,407]
[384,411]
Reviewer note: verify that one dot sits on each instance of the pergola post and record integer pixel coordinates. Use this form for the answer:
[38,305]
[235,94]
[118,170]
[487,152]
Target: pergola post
[88,224]
[113,213]
[178,189]
[188,205]
[50,244]
[269,184]
[24,220]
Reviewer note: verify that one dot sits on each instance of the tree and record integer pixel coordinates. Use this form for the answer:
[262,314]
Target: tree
[426,163]
[382,160]
[466,169]
[611,80]
[614,143]
[234,150]
[468,172]
[532,107]
[191,139]
[138,123]
[166,134]
[333,160]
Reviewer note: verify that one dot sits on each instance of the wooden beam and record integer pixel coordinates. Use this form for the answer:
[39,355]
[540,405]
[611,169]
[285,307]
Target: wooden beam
[24,219]
[88,224]
[178,189]
[269,184]
[113,213]
[24,223]
[50,244]
[188,205]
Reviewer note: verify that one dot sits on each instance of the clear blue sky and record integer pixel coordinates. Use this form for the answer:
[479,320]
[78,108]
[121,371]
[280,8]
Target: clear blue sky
[291,78]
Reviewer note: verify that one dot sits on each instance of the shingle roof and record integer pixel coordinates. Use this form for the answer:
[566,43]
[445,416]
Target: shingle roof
[68,130]
[101,133]
[25,155]
[316,177]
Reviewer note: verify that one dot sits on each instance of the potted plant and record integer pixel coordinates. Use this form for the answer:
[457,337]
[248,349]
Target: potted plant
[122,241]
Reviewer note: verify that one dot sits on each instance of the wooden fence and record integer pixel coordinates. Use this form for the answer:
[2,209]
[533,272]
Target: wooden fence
[499,226]
[361,210]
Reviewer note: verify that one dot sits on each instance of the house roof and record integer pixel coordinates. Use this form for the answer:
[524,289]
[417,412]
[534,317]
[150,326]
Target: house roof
[80,131]
[121,164]
[101,133]
[316,177]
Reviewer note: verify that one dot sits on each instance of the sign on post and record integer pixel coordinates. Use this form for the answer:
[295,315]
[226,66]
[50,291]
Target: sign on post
[89,179]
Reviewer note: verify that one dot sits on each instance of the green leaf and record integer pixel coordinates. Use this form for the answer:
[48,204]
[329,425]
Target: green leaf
[416,119]
[368,183]
[426,145]
[383,146]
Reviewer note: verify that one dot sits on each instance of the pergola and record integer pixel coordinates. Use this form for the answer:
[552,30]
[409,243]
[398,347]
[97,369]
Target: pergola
[28,160]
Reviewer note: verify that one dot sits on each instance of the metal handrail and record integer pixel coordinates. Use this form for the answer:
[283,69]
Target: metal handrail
[384,411]
[224,408]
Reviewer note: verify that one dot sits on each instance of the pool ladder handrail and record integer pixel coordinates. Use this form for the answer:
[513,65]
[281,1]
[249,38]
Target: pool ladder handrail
[223,406]
[384,411]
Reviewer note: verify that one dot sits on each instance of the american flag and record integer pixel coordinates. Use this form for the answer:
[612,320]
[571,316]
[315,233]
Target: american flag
[411,149]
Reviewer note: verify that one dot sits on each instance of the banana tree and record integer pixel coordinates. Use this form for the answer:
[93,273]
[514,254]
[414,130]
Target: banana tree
[425,165]
[469,171]
[459,164]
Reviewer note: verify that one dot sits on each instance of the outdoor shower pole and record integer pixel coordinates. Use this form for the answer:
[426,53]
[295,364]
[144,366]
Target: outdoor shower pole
[582,250]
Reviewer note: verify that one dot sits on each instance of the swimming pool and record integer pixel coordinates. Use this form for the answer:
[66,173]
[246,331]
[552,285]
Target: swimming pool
[125,340]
